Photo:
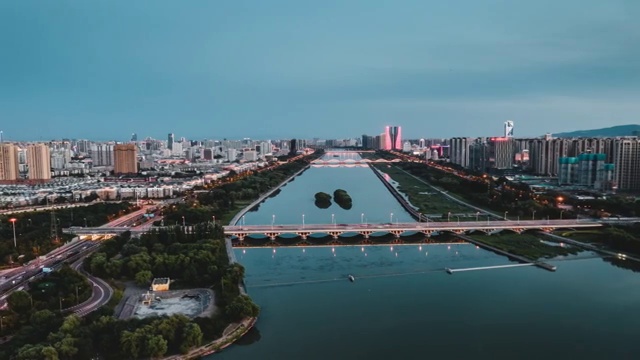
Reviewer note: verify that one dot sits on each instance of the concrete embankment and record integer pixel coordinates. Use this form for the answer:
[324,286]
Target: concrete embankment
[522,259]
[241,213]
[396,194]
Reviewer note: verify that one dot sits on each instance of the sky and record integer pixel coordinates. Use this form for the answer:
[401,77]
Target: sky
[329,69]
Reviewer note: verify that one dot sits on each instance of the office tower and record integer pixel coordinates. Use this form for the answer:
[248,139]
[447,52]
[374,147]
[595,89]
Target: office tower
[293,147]
[126,159]
[231,155]
[134,137]
[39,162]
[170,141]
[102,154]
[8,162]
[508,129]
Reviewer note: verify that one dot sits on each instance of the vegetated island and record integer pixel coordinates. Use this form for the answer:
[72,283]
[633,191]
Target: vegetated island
[323,200]
[343,199]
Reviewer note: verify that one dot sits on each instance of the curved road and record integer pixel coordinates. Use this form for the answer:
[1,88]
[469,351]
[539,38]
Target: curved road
[101,293]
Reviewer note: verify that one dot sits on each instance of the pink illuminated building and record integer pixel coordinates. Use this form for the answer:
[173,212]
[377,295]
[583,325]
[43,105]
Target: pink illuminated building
[392,138]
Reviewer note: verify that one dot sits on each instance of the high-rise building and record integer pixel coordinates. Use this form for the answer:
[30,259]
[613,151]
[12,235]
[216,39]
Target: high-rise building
[102,154]
[293,147]
[392,138]
[170,141]
[460,151]
[501,152]
[134,137]
[126,159]
[39,162]
[627,163]
[587,170]
[508,129]
[8,162]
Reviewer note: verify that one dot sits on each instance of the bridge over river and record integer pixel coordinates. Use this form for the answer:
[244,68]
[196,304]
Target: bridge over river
[399,229]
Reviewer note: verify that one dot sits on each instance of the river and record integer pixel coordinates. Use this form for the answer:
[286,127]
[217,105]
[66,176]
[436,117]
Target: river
[404,306]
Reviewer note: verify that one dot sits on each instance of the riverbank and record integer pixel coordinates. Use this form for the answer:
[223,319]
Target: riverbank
[232,333]
[264,196]
[526,245]
[508,254]
[429,201]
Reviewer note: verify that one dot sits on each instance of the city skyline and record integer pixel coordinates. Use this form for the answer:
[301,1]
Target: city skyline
[83,70]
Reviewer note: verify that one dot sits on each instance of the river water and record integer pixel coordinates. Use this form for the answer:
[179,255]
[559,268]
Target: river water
[404,306]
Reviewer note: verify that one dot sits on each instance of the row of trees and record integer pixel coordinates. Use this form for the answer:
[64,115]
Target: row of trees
[500,195]
[221,201]
[33,229]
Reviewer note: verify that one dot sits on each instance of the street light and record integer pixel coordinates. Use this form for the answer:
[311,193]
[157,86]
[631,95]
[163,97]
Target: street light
[458,219]
[449,216]
[273,220]
[561,211]
[303,220]
[13,221]
[242,220]
[214,220]
[391,218]
[533,216]
[85,222]
[477,215]
[361,218]
[505,215]
[183,222]
[333,217]
[419,217]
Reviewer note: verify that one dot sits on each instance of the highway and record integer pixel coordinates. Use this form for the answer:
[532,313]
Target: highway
[100,295]
[73,252]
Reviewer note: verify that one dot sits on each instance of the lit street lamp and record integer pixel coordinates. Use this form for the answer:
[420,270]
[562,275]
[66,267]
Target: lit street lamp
[361,218]
[183,222]
[273,220]
[333,218]
[13,221]
[303,220]
[391,218]
[242,220]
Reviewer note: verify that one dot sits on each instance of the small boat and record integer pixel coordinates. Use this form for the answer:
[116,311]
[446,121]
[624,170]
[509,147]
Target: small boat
[351,278]
[449,271]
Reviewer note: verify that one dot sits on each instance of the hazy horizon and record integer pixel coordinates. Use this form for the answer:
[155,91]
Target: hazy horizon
[334,69]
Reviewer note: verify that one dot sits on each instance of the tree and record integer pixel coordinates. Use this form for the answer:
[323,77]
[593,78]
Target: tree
[156,346]
[143,278]
[20,302]
[129,344]
[241,307]
[49,353]
[191,337]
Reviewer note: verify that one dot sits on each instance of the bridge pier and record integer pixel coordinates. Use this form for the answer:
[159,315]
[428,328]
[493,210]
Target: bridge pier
[303,235]
[335,234]
[272,235]
[396,233]
[366,234]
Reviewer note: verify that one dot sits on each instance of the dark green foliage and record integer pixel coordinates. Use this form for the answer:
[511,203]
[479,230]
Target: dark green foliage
[33,229]
[343,199]
[322,200]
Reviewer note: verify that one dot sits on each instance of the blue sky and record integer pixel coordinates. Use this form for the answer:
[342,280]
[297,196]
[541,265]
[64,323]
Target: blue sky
[331,68]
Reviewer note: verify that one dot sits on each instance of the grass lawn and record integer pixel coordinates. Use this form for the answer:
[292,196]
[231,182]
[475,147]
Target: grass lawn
[423,196]
[239,205]
[527,245]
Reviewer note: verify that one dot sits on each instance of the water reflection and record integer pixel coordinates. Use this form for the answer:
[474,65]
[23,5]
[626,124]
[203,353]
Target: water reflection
[251,337]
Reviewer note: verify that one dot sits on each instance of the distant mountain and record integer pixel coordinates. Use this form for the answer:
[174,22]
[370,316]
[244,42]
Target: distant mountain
[621,130]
